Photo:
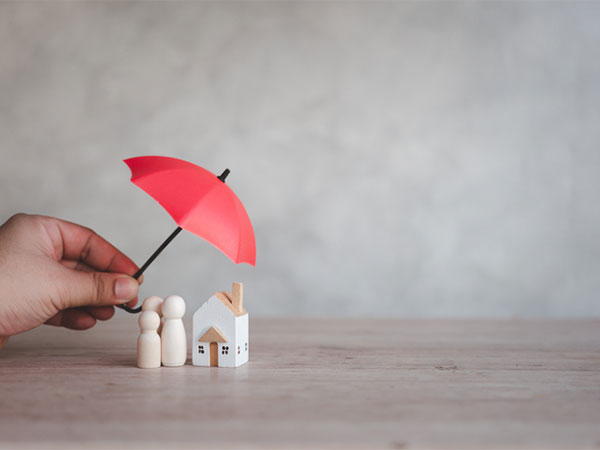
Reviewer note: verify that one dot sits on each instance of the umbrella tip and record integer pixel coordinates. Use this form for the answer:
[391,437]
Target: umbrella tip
[224,175]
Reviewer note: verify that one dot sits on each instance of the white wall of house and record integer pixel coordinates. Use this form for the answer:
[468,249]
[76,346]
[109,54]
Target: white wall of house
[198,358]
[241,335]
[227,359]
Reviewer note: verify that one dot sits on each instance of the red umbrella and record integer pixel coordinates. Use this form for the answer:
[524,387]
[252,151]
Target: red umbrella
[199,202]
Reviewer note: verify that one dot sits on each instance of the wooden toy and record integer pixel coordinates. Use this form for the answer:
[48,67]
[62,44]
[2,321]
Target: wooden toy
[199,202]
[148,344]
[154,303]
[220,330]
[173,339]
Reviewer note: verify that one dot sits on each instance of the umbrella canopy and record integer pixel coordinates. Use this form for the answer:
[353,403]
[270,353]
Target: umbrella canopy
[199,202]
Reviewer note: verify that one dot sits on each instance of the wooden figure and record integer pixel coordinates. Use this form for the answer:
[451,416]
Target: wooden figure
[154,303]
[173,339]
[220,330]
[148,344]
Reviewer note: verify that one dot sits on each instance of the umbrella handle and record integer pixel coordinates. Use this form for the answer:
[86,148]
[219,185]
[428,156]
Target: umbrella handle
[147,263]
[160,249]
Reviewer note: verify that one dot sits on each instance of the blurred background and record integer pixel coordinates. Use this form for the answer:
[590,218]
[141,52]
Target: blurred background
[413,159]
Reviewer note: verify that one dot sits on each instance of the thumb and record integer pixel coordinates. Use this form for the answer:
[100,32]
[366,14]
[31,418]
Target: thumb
[99,288]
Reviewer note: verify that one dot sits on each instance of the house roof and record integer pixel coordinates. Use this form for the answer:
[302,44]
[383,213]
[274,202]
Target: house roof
[226,300]
[212,335]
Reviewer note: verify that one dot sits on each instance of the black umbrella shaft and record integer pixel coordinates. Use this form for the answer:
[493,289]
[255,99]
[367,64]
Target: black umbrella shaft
[157,252]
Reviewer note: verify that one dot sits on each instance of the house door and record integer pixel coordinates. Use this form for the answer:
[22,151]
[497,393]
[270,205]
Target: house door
[214,354]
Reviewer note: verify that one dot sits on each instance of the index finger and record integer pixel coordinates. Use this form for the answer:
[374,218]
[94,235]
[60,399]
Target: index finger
[79,243]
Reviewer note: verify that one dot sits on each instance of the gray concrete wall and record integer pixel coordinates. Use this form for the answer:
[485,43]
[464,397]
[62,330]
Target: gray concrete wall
[414,159]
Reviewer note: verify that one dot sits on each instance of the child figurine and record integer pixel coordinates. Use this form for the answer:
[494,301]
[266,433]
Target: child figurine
[148,344]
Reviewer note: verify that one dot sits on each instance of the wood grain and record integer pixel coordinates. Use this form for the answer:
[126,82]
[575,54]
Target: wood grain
[312,383]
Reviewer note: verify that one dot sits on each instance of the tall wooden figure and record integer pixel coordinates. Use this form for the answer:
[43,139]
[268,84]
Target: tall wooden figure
[148,344]
[173,339]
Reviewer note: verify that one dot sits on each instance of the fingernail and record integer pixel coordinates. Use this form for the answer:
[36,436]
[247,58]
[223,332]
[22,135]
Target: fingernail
[126,288]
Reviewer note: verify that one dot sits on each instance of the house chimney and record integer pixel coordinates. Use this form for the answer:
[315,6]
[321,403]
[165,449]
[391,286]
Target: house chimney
[237,296]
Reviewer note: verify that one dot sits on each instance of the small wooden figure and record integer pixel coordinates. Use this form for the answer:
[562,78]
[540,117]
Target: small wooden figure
[154,303]
[148,344]
[173,339]
[220,330]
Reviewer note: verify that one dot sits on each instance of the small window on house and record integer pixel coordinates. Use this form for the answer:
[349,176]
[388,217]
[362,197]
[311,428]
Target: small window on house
[246,346]
[238,349]
[201,349]
[225,350]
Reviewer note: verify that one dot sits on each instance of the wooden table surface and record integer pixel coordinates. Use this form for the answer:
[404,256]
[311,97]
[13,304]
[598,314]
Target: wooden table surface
[312,383]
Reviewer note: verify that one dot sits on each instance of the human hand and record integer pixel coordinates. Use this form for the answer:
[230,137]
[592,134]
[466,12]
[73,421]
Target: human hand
[59,273]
